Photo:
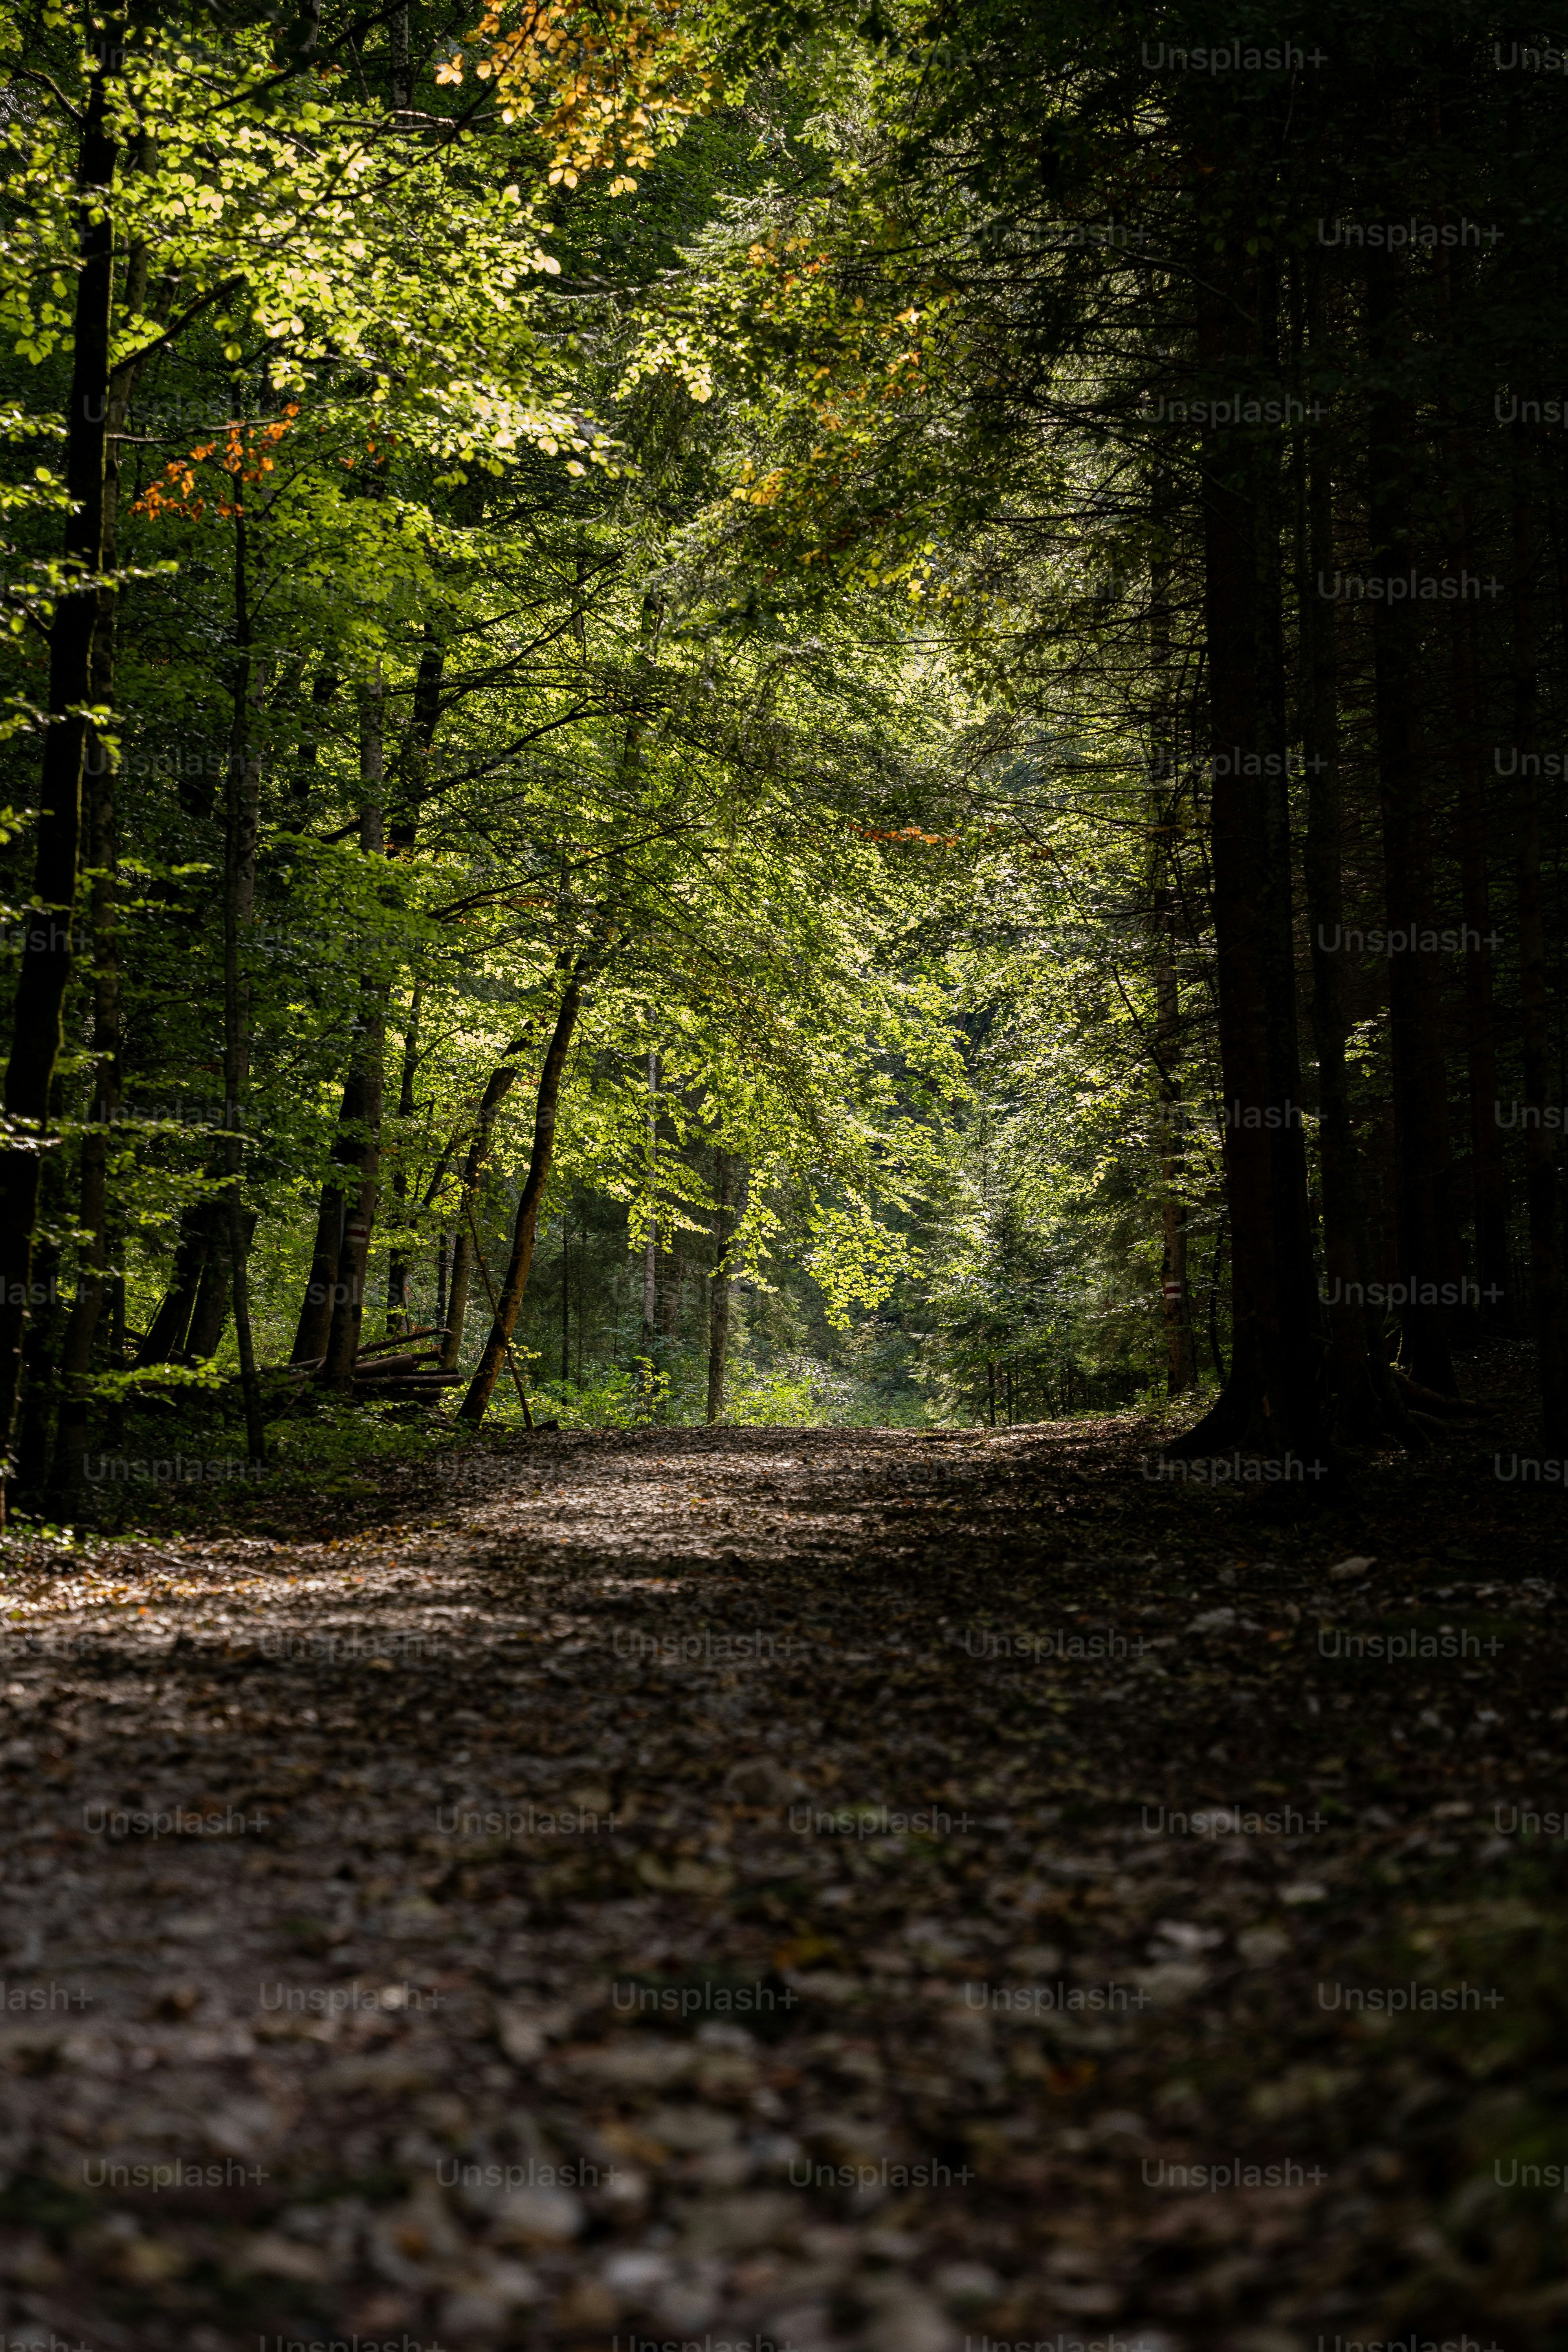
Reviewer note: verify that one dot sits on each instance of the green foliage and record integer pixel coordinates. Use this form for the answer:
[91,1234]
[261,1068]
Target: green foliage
[567,572]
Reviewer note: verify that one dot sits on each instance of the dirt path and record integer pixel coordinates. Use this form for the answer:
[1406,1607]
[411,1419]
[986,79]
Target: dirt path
[776,1886]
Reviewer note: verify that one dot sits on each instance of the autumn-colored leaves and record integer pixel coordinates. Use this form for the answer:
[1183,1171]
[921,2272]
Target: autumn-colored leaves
[906,832]
[596,87]
[245,458]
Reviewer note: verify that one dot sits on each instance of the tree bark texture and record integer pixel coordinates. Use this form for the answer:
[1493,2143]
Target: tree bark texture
[546,1108]
[45,958]
[1270,1400]
[1427,1246]
[460,1279]
[370,1053]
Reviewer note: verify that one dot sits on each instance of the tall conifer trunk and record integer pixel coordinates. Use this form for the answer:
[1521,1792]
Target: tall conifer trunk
[100,774]
[1551,1323]
[1487,1173]
[1363,1401]
[1270,1401]
[1427,1248]
[242,811]
[370,1049]
[46,959]
[397,1264]
[727,1183]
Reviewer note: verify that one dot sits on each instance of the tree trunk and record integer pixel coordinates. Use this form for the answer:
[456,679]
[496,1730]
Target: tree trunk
[40,1349]
[544,1119]
[397,1264]
[650,1283]
[1427,1249]
[1269,1402]
[1221,1373]
[565,1293]
[348,1287]
[650,1247]
[401,63]
[45,961]
[165,1337]
[1181,1359]
[402,833]
[1489,1177]
[215,1291]
[501,1080]
[1295,1394]
[726,1205]
[348,1301]
[650,1251]
[100,776]
[1236,820]
[314,1326]
[408,796]
[1539,1171]
[242,803]
[1360,1405]
[1181,1355]
[215,1295]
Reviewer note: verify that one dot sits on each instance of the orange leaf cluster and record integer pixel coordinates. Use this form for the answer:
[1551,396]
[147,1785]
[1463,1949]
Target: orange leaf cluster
[173,495]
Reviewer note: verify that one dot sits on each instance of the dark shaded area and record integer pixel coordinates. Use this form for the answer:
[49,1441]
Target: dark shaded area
[801,1884]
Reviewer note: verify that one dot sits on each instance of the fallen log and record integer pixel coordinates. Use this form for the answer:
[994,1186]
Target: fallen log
[313,1364]
[401,1340]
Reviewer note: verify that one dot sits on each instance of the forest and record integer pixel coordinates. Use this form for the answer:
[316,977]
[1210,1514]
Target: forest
[793,719]
[783,1368]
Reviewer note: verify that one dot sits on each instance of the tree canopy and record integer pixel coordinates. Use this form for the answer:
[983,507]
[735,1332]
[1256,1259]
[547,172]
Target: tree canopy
[779,715]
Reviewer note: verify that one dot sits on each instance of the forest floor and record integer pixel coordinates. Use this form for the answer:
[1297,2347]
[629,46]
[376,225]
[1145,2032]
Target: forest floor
[814,1888]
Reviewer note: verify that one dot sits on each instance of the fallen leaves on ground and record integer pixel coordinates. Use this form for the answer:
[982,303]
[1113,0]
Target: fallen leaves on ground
[849,1888]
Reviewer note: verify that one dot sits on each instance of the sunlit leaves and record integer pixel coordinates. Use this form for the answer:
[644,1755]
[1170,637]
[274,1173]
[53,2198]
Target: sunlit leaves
[599,86]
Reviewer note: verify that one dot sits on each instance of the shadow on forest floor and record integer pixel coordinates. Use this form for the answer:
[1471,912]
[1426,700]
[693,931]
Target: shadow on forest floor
[844,1888]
